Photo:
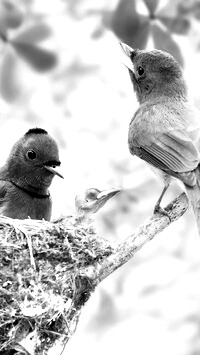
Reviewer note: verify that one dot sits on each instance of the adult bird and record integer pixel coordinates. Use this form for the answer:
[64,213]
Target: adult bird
[91,201]
[165,130]
[26,176]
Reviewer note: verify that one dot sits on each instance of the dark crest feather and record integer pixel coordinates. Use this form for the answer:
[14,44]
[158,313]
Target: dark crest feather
[36,131]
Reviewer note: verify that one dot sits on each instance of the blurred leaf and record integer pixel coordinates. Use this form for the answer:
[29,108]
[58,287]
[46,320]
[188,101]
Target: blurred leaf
[177,25]
[9,84]
[38,58]
[2,31]
[10,14]
[196,11]
[151,5]
[34,34]
[134,33]
[164,41]
[98,32]
[129,26]
[169,10]
[188,8]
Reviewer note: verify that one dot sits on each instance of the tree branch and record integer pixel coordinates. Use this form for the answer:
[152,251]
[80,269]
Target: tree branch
[49,270]
[143,234]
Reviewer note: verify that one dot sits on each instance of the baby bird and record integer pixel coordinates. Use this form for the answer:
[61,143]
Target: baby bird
[91,201]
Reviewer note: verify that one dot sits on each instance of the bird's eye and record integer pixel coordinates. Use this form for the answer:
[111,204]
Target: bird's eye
[91,194]
[140,70]
[31,154]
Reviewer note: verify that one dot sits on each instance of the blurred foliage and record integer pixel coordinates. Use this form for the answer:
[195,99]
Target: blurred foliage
[132,21]
[134,28]
[20,39]
[86,102]
[135,21]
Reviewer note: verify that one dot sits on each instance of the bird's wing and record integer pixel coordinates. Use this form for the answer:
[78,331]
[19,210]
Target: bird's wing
[166,139]
[175,150]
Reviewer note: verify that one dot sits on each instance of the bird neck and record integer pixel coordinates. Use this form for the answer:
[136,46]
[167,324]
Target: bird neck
[162,97]
[28,184]
[84,220]
[83,216]
[33,192]
[150,91]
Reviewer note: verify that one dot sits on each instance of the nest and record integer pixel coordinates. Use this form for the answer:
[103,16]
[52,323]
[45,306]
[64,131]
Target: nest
[44,281]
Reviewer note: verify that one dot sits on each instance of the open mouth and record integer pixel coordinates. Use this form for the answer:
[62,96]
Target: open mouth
[107,194]
[127,53]
[52,167]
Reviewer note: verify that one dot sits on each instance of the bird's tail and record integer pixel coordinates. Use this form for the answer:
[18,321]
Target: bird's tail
[194,197]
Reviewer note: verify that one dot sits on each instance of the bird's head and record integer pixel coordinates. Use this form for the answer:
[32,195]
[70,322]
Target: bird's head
[154,74]
[33,159]
[92,200]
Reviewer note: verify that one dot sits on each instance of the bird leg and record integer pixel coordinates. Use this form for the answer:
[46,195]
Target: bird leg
[158,208]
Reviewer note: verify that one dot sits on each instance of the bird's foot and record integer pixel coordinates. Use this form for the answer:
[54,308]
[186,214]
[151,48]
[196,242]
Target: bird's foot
[162,211]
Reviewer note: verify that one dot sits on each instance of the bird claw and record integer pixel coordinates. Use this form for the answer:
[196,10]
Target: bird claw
[161,211]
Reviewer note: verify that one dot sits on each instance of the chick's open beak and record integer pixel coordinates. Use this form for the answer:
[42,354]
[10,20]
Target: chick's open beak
[53,170]
[127,52]
[105,195]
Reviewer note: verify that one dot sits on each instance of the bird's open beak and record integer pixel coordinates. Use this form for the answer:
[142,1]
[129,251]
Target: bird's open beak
[106,194]
[53,170]
[127,52]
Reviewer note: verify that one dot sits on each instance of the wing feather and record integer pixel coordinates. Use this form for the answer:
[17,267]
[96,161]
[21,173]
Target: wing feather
[168,139]
[173,154]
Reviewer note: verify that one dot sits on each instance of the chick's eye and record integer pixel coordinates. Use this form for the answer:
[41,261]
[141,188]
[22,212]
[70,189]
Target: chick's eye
[91,196]
[140,70]
[31,154]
